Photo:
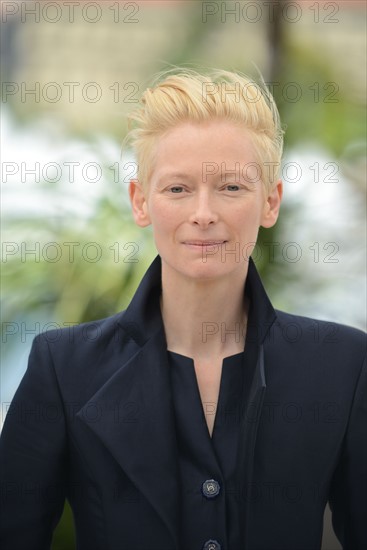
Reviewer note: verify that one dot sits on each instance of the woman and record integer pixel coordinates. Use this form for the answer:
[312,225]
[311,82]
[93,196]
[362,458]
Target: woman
[193,420]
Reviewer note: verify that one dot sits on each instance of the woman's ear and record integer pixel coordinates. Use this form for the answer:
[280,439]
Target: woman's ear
[139,204]
[272,205]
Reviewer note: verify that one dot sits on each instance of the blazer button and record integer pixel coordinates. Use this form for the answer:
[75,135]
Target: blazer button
[210,488]
[212,545]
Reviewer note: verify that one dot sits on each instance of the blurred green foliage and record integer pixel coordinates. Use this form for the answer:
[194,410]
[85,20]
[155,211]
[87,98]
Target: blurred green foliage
[81,289]
[64,538]
[324,112]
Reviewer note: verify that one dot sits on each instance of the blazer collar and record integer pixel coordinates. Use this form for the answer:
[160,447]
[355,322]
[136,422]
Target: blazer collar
[143,318]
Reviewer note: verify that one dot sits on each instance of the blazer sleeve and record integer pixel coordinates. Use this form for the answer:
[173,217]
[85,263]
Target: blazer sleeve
[348,495]
[33,457]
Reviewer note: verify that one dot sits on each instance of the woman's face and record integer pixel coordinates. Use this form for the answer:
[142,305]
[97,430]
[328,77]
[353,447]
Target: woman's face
[205,200]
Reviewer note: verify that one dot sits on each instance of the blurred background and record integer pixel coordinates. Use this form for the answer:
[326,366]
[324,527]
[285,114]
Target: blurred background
[71,73]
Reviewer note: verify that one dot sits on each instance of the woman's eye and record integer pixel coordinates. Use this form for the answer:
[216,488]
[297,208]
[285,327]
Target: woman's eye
[232,187]
[176,189]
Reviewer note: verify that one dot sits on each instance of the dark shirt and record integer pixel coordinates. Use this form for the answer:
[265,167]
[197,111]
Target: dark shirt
[204,458]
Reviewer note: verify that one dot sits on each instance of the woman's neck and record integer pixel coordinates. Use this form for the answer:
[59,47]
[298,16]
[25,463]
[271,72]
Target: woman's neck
[204,319]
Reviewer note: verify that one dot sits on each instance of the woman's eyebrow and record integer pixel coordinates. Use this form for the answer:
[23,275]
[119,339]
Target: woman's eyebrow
[233,175]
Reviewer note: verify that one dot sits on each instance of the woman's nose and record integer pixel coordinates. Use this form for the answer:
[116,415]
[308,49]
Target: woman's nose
[204,211]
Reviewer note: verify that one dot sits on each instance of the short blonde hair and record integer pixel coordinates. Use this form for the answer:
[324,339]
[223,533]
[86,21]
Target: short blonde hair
[184,95]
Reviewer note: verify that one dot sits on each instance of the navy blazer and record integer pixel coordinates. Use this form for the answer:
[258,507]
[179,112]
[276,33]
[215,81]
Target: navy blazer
[92,421]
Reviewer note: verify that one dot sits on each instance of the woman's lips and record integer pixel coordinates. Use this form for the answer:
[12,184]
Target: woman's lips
[201,244]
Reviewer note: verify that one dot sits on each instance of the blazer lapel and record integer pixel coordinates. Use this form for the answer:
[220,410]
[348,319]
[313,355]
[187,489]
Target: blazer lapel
[136,424]
[253,397]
